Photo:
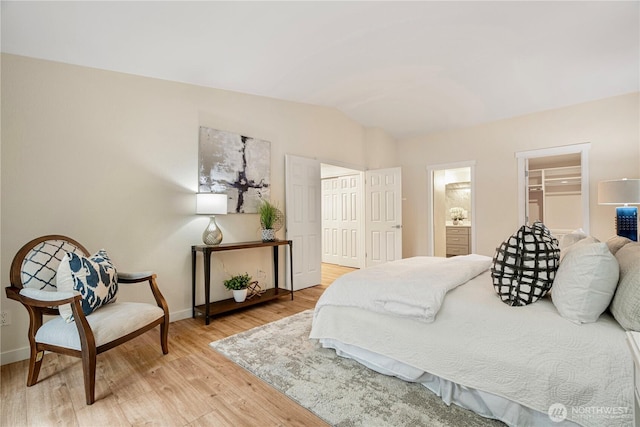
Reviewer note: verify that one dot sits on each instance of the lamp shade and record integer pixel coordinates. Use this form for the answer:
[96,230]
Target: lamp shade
[211,204]
[619,192]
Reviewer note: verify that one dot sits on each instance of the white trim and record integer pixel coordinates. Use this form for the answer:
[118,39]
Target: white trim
[456,165]
[582,149]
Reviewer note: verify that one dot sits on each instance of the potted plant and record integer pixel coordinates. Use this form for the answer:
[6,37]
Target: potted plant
[457,215]
[269,214]
[238,284]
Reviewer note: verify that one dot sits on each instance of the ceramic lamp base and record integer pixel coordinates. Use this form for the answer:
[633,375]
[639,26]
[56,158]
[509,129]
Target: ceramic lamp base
[212,235]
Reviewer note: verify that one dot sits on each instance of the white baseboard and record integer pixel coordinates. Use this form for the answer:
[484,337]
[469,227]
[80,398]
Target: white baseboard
[11,356]
[19,354]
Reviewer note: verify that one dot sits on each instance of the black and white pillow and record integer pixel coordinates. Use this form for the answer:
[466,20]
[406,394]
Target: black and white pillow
[525,265]
[94,277]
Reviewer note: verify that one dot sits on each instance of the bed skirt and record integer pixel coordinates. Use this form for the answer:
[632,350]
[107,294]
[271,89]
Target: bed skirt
[482,403]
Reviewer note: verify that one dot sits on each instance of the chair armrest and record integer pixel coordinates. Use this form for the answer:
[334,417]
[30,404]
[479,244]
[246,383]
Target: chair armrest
[146,276]
[141,276]
[38,298]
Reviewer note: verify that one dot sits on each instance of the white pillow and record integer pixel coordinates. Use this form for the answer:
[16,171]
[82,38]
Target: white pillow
[625,306]
[571,238]
[617,242]
[585,282]
[588,240]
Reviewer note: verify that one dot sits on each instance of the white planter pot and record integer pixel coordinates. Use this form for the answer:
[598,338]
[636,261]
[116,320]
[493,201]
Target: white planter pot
[268,234]
[240,295]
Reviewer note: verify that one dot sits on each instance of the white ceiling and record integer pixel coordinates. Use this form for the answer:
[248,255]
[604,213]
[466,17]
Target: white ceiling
[407,67]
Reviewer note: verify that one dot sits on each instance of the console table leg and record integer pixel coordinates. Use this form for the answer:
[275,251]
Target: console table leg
[207,284]
[193,283]
[291,266]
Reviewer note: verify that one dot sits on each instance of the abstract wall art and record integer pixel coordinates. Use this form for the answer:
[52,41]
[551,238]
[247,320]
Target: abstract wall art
[236,165]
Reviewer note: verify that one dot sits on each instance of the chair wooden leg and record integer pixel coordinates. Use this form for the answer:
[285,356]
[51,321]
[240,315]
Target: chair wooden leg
[89,371]
[35,362]
[164,336]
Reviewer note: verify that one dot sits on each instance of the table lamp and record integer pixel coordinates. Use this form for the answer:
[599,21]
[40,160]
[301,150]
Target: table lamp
[623,192]
[211,204]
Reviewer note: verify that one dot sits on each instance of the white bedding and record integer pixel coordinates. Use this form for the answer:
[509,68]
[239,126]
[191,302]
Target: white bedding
[412,287]
[529,355]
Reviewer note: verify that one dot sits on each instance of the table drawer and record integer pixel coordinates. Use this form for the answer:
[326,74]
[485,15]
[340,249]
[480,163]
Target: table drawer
[455,231]
[457,250]
[458,240]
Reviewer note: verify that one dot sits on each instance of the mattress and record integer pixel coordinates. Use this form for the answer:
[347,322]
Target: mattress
[529,355]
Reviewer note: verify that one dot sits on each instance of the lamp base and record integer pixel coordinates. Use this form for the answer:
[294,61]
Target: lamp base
[212,235]
[627,222]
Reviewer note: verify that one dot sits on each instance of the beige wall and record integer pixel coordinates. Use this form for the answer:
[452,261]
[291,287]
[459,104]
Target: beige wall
[111,160]
[380,150]
[610,125]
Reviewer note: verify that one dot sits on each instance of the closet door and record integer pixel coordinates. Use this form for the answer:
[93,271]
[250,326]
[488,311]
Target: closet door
[342,220]
[330,222]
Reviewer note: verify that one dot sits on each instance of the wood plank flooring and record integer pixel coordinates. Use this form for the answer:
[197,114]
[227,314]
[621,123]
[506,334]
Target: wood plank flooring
[136,385]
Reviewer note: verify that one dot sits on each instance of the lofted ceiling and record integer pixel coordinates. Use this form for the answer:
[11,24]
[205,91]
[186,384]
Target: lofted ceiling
[410,68]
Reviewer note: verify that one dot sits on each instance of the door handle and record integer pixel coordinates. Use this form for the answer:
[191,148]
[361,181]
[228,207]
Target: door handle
[397,226]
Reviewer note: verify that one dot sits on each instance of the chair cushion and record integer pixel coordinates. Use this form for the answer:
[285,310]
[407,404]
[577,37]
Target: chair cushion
[109,323]
[525,264]
[38,270]
[95,278]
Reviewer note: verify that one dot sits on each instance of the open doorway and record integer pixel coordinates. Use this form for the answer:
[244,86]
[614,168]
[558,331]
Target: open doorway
[553,187]
[451,216]
[382,217]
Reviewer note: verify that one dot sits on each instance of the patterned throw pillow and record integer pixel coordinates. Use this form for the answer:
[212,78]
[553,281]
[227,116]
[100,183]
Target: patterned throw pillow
[525,265]
[95,278]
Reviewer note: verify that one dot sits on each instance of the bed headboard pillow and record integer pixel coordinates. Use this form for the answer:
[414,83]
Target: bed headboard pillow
[585,281]
[570,238]
[625,306]
[616,243]
[525,265]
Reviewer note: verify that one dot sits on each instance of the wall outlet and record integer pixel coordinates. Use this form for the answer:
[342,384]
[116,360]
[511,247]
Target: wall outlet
[5,318]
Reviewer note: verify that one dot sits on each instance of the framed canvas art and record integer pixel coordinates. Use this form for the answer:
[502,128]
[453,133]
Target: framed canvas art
[236,165]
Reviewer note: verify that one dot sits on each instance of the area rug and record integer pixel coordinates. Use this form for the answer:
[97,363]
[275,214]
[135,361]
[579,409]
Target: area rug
[340,391]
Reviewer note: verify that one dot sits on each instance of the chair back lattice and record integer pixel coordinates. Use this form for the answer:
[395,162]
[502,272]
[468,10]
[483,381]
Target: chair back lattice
[39,264]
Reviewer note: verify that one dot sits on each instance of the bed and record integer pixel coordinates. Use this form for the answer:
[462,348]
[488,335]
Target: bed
[523,365]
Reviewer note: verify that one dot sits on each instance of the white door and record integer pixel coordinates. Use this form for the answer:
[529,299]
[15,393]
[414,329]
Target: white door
[342,221]
[330,222]
[383,194]
[303,219]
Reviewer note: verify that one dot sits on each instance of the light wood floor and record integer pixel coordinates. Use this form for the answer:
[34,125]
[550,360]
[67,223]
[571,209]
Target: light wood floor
[136,385]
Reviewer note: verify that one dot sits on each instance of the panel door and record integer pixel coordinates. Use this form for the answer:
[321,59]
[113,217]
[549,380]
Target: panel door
[303,219]
[383,193]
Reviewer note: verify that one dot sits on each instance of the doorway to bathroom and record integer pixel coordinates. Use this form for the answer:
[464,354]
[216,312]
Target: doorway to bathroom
[451,216]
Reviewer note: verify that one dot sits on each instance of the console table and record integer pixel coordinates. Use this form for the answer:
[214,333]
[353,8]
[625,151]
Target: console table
[210,309]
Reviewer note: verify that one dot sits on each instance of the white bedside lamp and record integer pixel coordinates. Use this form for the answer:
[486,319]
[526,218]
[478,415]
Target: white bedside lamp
[622,192]
[211,204]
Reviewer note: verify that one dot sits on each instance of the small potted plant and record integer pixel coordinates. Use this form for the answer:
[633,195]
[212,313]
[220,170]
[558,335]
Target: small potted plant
[268,218]
[238,284]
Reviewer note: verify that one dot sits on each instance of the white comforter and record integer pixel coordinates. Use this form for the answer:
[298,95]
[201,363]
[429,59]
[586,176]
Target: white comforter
[412,287]
[530,355]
